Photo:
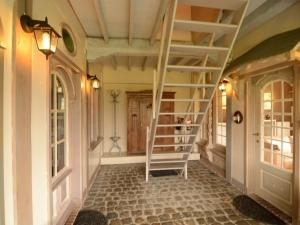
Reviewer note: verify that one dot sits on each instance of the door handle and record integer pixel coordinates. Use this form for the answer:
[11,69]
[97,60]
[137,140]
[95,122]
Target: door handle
[256,134]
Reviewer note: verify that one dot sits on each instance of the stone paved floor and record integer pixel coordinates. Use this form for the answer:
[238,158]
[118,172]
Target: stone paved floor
[121,193]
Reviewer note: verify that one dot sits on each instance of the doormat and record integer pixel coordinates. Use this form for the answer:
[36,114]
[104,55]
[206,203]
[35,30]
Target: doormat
[162,173]
[90,217]
[252,209]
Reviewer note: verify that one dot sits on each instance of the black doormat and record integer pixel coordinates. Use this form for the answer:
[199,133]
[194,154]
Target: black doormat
[252,209]
[161,173]
[90,217]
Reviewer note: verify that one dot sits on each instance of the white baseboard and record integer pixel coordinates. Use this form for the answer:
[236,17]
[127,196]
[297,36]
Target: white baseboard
[134,159]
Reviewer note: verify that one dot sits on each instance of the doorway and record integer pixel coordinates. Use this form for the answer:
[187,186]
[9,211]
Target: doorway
[273,140]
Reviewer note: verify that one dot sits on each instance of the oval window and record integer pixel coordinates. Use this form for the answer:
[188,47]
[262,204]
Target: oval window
[68,40]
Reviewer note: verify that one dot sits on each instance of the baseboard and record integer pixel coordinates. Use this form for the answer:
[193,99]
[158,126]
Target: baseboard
[90,182]
[135,159]
[238,185]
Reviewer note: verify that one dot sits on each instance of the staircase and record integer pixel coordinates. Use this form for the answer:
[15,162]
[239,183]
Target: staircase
[204,59]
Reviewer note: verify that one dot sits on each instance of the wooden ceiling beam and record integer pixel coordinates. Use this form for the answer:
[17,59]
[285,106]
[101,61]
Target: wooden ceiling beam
[101,21]
[159,18]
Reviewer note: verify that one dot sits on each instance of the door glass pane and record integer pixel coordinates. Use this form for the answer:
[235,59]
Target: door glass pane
[277,107]
[288,107]
[287,163]
[288,91]
[267,151]
[53,160]
[60,156]
[52,128]
[60,126]
[287,122]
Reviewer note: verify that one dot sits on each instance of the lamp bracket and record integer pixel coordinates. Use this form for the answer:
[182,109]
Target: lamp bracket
[29,24]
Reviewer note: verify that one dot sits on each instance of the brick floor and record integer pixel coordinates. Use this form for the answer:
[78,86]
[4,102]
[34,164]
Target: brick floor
[121,193]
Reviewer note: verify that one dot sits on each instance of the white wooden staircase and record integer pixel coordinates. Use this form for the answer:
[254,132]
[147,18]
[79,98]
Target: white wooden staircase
[206,61]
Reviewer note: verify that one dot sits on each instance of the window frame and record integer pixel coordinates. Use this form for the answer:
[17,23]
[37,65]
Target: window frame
[219,95]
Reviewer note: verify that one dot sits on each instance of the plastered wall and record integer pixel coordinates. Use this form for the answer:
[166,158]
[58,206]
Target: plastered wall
[285,21]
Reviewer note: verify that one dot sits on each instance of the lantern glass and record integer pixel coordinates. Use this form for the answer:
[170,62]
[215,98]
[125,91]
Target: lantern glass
[95,83]
[46,40]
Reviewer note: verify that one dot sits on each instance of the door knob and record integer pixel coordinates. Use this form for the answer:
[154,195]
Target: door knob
[256,134]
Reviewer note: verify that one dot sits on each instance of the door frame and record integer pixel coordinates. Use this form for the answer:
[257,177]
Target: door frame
[253,85]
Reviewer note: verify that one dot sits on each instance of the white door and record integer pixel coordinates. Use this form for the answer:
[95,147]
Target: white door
[274,143]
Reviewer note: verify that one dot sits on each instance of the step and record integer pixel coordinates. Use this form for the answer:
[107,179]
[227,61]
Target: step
[184,100]
[167,166]
[194,50]
[189,85]
[155,161]
[175,135]
[180,113]
[193,68]
[172,145]
[204,27]
[217,4]
[176,125]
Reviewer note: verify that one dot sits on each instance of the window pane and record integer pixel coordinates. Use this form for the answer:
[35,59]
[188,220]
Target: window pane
[60,156]
[276,158]
[52,128]
[219,139]
[277,107]
[277,90]
[223,140]
[288,107]
[277,120]
[287,149]
[287,121]
[60,126]
[267,151]
[267,93]
[288,90]
[60,95]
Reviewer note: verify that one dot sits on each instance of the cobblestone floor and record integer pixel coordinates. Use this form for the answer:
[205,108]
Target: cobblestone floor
[121,193]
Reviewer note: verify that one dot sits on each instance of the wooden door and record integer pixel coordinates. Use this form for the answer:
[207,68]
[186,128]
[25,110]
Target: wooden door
[133,122]
[145,105]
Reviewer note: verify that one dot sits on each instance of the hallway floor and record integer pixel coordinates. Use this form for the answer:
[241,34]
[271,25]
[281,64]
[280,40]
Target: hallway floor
[121,193]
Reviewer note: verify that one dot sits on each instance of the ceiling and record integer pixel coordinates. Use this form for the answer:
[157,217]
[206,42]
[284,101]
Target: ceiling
[130,25]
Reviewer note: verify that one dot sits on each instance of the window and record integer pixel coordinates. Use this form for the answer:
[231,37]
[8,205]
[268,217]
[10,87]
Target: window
[277,124]
[57,125]
[68,39]
[221,117]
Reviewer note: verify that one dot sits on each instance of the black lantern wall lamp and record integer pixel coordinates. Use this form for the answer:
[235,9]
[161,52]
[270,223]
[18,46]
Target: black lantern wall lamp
[95,81]
[45,36]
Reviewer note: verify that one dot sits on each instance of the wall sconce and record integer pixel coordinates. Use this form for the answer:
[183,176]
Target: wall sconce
[237,117]
[95,81]
[222,85]
[45,36]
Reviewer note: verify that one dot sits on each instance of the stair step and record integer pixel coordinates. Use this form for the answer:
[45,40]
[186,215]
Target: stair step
[198,51]
[171,154]
[180,113]
[172,145]
[193,68]
[175,135]
[190,85]
[205,27]
[167,166]
[217,4]
[183,100]
[176,125]
[155,161]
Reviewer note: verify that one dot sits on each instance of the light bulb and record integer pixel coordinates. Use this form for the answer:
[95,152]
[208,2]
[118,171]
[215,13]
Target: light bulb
[46,40]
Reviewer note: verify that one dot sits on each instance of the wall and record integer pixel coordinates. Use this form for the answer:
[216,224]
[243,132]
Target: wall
[125,80]
[289,19]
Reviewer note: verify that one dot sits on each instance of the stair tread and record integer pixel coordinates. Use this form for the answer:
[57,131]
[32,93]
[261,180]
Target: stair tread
[217,4]
[175,135]
[171,145]
[198,51]
[170,153]
[181,113]
[166,160]
[176,125]
[205,27]
[167,166]
[193,68]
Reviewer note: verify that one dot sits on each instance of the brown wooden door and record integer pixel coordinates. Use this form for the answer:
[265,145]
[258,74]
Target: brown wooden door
[133,122]
[145,120]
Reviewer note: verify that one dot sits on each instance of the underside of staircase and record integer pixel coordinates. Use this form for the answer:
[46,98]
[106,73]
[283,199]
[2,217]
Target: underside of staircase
[204,60]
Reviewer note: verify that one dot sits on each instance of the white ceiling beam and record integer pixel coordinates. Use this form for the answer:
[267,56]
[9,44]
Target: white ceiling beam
[97,48]
[130,26]
[159,17]
[114,62]
[101,21]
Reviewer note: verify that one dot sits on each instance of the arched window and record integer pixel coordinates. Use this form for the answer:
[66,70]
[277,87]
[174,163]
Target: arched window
[58,125]
[277,124]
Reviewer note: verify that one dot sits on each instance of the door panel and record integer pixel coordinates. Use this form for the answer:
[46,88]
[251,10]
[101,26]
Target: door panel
[274,148]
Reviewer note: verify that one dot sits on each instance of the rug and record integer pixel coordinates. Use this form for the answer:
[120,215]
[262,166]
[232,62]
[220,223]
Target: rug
[162,173]
[90,217]
[250,208]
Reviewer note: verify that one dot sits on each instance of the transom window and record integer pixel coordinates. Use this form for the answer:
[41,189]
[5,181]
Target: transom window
[277,124]
[221,117]
[58,125]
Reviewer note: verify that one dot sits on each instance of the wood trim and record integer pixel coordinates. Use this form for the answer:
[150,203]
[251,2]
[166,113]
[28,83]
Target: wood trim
[58,179]
[94,144]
